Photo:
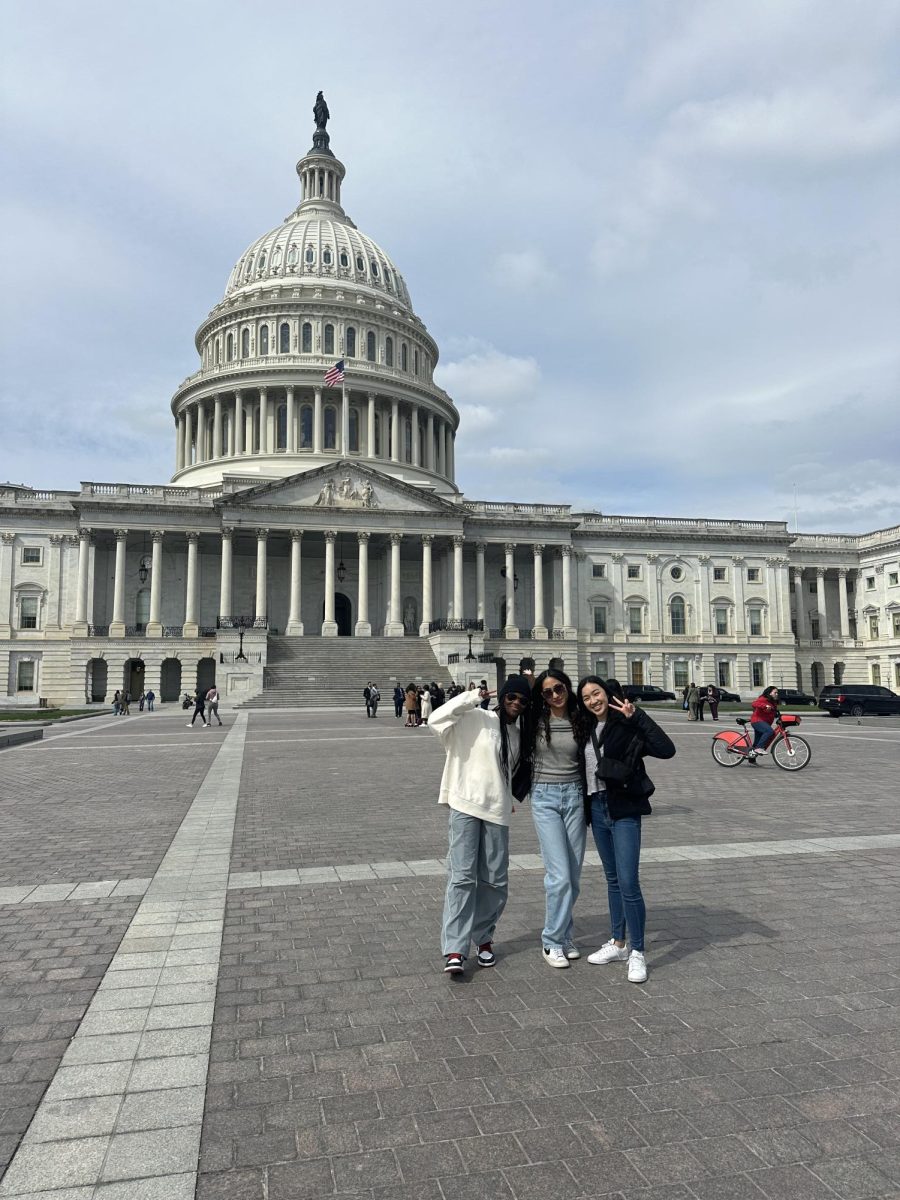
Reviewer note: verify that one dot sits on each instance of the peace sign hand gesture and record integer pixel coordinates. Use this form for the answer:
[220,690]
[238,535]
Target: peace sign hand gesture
[624,707]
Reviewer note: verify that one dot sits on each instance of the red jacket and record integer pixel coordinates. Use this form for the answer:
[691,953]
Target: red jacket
[764,710]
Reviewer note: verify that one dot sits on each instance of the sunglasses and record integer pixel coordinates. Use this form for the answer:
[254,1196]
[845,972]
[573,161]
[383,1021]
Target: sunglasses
[522,701]
[558,689]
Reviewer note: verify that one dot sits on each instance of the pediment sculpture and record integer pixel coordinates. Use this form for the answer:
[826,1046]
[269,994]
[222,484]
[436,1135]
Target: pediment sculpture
[347,494]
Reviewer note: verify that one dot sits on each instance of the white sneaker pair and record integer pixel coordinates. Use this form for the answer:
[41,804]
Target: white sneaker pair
[610,952]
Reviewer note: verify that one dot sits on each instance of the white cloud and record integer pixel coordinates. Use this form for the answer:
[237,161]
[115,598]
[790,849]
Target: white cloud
[522,269]
[488,377]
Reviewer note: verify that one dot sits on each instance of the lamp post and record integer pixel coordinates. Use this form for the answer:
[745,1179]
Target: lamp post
[470,657]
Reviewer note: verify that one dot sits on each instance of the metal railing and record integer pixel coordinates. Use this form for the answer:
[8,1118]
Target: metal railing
[456,625]
[173,631]
[98,631]
[242,622]
[231,656]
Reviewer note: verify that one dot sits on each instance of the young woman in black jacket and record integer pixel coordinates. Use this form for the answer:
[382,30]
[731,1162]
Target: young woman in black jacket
[617,796]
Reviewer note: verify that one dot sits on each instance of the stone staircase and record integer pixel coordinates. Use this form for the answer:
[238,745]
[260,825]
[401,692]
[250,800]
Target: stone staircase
[332,672]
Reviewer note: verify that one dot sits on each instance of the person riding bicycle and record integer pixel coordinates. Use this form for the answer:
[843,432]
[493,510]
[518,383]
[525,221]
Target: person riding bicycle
[763,715]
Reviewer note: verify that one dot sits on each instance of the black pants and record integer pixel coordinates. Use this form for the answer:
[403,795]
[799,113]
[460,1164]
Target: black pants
[198,712]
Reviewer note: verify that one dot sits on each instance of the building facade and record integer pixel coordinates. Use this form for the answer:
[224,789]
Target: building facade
[299,510]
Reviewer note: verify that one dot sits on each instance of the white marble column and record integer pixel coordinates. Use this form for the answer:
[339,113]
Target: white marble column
[117,625]
[618,592]
[179,442]
[540,629]
[429,443]
[188,437]
[240,425]
[799,601]
[784,595]
[458,606]
[395,431]
[414,422]
[363,627]
[81,587]
[295,622]
[370,427]
[329,625]
[394,627]
[218,449]
[427,541]
[843,601]
[318,427]
[154,623]
[200,433]
[510,629]
[225,576]
[7,550]
[820,602]
[229,448]
[190,587]
[566,552]
[654,597]
[703,601]
[291,421]
[55,590]
[479,583]
[264,444]
[262,600]
[446,455]
[772,595]
[740,622]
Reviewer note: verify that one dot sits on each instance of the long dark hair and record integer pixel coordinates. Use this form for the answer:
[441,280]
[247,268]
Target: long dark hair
[522,774]
[539,724]
[613,689]
[767,692]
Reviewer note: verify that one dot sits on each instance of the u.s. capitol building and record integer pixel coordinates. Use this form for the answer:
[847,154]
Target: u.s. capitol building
[300,512]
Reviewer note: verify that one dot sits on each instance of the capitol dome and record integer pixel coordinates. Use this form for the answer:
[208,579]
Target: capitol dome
[307,295]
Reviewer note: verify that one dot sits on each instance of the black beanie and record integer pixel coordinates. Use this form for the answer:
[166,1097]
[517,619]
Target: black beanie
[517,685]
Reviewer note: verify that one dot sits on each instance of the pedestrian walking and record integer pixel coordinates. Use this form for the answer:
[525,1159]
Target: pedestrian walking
[557,733]
[151,696]
[117,703]
[141,699]
[199,707]
[411,703]
[367,696]
[126,704]
[425,705]
[212,705]
[485,771]
[713,695]
[398,701]
[692,697]
[374,698]
[617,798]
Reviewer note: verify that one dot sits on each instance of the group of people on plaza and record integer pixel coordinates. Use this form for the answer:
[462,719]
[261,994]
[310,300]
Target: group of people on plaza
[206,706]
[694,698]
[417,701]
[122,701]
[578,754]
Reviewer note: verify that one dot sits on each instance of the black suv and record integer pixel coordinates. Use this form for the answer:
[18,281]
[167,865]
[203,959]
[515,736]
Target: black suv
[793,696]
[645,692]
[858,699]
[725,697]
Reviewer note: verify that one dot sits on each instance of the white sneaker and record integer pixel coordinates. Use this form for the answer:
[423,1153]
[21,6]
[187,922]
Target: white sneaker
[555,957]
[609,952]
[637,967]
[571,951]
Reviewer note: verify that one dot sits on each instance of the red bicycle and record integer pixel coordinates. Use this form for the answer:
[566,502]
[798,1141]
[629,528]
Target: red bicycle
[790,751]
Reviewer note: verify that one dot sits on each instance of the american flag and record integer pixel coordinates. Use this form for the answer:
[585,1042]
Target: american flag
[335,374]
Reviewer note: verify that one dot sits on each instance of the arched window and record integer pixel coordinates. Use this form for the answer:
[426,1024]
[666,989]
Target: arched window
[416,362]
[360,263]
[226,432]
[218,350]
[293,255]
[422,440]
[354,430]
[329,339]
[404,357]
[310,256]
[407,440]
[261,261]
[306,422]
[255,434]
[370,346]
[284,338]
[351,342]
[330,427]
[276,256]
[281,427]
[388,278]
[264,339]
[377,435]
[389,351]
[373,266]
[306,338]
[327,257]
[245,343]
[229,347]
[345,261]
[677,615]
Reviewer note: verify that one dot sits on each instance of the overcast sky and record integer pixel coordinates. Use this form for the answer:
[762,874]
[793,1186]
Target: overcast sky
[657,242]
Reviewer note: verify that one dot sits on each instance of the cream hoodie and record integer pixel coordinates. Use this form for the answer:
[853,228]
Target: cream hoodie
[473,781]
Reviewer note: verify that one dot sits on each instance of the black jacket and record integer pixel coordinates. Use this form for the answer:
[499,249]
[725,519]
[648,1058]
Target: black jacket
[629,740]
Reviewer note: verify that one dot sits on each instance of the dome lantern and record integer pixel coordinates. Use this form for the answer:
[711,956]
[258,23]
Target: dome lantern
[321,174]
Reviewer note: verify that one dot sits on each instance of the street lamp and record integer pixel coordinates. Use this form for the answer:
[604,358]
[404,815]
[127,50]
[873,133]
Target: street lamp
[470,657]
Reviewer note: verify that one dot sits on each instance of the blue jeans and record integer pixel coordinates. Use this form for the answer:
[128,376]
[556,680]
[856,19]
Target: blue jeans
[478,886]
[619,846]
[762,734]
[558,812]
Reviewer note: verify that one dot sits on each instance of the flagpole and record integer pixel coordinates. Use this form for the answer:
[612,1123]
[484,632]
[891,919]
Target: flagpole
[345,418]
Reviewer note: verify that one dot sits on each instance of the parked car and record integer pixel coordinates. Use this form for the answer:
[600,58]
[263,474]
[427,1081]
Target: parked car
[858,699]
[645,692]
[791,697]
[725,697]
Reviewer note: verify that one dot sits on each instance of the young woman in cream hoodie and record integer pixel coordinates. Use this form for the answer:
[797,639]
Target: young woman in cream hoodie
[484,764]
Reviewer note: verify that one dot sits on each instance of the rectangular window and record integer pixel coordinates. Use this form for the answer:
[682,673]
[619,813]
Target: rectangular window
[31,555]
[897,674]
[25,677]
[893,579]
[758,674]
[896,624]
[721,620]
[601,668]
[873,627]
[678,618]
[598,570]
[600,619]
[28,612]
[876,672]
[814,629]
[812,589]
[634,571]
[680,674]
[756,622]
[870,583]
[724,673]
[635,618]
[753,574]
[637,672]
[719,574]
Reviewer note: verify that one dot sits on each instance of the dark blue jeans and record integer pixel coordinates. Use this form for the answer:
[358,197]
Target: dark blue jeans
[619,846]
[762,734]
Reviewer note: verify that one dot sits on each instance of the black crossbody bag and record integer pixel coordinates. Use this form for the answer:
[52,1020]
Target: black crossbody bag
[612,770]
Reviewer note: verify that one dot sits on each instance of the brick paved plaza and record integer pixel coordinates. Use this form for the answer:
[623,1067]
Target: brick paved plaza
[220,976]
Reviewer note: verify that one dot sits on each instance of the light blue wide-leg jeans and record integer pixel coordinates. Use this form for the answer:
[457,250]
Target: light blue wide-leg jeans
[558,812]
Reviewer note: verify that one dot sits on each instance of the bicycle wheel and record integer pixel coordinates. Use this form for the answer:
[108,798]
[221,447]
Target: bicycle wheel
[725,754]
[795,758]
